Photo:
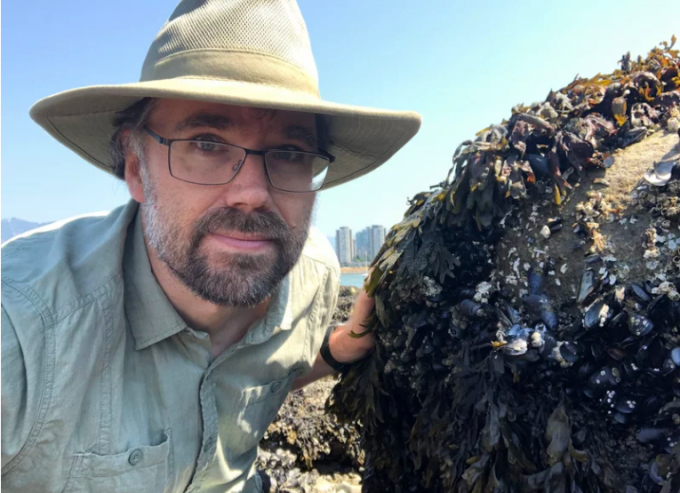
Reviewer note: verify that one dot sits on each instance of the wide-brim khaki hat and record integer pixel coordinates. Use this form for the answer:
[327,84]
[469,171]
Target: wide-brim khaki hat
[249,53]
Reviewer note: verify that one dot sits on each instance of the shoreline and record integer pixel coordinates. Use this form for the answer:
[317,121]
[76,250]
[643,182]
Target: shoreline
[353,270]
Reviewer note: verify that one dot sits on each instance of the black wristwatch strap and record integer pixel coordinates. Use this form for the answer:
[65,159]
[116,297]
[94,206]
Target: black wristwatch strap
[326,354]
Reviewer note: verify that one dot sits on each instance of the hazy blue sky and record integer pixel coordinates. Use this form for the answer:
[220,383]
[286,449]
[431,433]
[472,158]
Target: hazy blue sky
[461,65]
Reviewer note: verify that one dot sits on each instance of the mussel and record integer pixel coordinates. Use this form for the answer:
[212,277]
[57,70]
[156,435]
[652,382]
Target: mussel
[596,314]
[639,325]
[587,285]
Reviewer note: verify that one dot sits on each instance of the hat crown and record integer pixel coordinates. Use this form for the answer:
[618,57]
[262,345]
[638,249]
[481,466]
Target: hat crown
[214,39]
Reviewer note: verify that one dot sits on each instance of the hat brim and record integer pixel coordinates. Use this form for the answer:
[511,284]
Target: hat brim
[360,138]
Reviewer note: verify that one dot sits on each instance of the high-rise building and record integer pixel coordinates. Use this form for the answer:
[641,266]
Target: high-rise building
[369,241]
[362,244]
[344,245]
[376,239]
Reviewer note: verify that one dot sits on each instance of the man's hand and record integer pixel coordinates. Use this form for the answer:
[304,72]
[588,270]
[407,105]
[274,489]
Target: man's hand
[343,347]
[348,349]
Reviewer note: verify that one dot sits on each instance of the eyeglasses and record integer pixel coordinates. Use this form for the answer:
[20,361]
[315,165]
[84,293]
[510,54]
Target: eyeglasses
[205,162]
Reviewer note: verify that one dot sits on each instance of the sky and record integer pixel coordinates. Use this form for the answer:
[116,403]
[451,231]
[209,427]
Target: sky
[461,65]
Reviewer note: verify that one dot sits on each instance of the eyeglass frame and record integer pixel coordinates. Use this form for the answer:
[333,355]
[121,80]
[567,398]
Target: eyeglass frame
[168,142]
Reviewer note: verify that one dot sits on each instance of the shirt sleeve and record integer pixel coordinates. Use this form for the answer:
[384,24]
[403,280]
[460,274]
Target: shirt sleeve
[22,382]
[331,291]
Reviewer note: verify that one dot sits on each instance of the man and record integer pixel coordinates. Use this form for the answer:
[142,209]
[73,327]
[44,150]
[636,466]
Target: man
[150,348]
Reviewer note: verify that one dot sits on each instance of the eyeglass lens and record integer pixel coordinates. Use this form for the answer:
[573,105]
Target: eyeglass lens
[213,163]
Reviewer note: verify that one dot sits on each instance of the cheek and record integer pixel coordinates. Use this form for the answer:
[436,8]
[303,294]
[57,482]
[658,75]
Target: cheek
[179,205]
[178,208]
[295,209]
[184,199]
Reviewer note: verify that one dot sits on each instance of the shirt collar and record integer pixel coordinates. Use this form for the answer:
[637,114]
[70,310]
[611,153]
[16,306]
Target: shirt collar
[151,315]
[279,315]
[153,318]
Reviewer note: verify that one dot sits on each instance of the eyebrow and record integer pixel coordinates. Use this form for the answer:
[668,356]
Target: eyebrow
[219,122]
[301,133]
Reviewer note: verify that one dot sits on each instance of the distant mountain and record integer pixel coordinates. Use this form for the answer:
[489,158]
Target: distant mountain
[12,227]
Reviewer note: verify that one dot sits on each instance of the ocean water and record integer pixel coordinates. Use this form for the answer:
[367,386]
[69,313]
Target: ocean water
[352,280]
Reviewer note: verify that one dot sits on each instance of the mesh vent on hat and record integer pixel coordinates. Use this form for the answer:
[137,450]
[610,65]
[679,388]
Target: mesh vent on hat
[268,27]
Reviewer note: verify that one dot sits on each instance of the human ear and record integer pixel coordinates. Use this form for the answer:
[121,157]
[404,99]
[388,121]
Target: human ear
[133,175]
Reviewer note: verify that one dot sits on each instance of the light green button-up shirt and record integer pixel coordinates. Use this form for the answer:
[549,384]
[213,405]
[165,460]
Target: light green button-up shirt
[105,388]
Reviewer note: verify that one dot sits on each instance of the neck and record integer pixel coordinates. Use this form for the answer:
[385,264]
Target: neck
[226,325]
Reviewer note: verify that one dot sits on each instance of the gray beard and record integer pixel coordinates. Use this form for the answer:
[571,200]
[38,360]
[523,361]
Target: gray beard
[237,280]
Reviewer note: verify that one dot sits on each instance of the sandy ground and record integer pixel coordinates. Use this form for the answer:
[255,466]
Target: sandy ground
[353,270]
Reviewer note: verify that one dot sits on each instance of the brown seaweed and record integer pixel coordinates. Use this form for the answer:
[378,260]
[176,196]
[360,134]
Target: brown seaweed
[474,389]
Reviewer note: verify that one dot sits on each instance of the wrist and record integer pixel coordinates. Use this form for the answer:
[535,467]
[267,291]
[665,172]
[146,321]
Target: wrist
[328,356]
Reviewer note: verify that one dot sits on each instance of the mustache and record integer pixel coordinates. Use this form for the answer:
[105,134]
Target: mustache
[265,223]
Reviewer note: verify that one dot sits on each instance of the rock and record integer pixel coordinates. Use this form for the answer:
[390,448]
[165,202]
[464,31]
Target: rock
[337,486]
[348,291]
[537,386]
[304,438]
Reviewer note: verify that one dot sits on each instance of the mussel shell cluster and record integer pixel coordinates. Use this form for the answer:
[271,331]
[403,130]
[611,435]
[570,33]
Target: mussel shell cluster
[474,387]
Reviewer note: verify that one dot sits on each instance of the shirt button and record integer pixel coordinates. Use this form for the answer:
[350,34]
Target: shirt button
[208,444]
[276,386]
[135,456]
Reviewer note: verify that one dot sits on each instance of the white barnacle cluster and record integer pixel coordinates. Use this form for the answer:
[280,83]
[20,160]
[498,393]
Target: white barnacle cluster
[430,286]
[483,291]
[557,355]
[673,123]
[537,339]
[667,288]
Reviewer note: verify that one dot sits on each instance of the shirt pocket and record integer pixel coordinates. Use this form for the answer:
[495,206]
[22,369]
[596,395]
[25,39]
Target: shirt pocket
[138,469]
[256,409]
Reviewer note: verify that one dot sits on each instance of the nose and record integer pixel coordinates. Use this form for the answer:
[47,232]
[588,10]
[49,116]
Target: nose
[249,190]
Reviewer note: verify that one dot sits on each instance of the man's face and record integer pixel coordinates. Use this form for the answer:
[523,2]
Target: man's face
[229,244]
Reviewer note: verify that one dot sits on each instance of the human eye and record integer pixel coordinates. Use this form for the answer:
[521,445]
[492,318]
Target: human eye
[209,147]
[208,144]
[290,154]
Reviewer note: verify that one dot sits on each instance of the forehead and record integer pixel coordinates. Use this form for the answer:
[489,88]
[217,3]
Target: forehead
[172,113]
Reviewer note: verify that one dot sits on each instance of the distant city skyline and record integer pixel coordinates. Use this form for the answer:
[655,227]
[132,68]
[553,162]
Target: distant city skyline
[360,249]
